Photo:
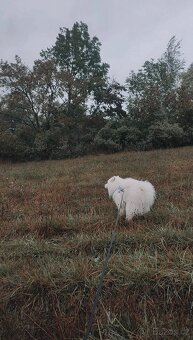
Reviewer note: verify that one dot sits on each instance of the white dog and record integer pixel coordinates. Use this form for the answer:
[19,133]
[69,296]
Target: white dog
[135,197]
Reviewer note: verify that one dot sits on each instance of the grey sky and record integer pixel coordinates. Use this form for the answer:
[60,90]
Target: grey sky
[131,31]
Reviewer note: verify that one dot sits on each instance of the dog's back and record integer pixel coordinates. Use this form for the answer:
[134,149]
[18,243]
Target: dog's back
[138,195]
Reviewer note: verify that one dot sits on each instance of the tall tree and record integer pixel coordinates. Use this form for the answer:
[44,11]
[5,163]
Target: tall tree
[152,91]
[109,100]
[64,99]
[185,104]
[30,95]
[78,58]
[174,62]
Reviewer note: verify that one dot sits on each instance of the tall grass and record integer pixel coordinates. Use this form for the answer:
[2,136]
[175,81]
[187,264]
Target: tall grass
[56,222]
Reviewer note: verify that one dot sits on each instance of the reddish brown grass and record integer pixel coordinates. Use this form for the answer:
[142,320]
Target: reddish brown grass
[56,221]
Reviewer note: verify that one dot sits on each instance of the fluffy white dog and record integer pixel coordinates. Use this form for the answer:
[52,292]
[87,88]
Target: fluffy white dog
[135,197]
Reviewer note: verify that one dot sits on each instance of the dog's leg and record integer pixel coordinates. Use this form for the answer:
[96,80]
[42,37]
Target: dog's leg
[130,212]
[122,211]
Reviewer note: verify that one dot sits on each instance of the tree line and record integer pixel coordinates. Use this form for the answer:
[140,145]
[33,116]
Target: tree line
[66,105]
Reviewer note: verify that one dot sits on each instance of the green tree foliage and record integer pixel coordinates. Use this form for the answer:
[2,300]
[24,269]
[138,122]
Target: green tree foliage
[30,94]
[154,94]
[152,91]
[66,105]
[185,104]
[77,55]
[56,108]
[164,134]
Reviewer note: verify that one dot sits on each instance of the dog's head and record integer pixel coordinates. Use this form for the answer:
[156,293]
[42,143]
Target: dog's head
[112,184]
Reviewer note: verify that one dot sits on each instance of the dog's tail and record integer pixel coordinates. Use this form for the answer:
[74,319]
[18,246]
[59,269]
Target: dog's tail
[150,192]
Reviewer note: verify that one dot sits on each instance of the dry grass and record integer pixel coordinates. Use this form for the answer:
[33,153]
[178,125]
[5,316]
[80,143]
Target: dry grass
[56,221]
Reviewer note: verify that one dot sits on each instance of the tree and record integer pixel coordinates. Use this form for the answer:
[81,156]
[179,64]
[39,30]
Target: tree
[109,100]
[174,63]
[52,106]
[77,56]
[30,95]
[152,91]
[185,104]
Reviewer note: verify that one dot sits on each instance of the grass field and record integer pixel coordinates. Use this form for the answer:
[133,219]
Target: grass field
[56,221]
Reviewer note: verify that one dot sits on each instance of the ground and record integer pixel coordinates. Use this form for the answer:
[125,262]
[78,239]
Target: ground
[56,222]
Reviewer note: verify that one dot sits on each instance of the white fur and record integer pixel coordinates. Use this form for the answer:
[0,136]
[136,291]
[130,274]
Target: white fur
[138,196]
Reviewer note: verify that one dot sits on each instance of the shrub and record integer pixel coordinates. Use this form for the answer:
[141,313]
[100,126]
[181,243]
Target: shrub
[164,134]
[107,140]
[11,146]
[129,137]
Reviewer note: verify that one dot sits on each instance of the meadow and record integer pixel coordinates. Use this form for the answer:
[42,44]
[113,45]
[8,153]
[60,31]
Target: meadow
[56,222]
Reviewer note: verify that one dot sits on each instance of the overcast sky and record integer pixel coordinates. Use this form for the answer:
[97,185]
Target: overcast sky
[131,31]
